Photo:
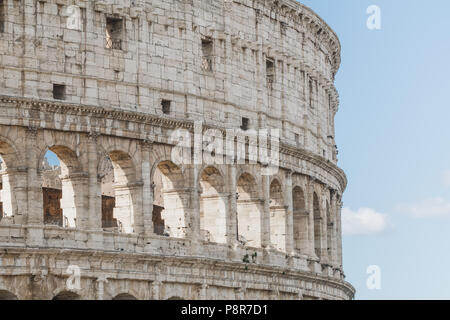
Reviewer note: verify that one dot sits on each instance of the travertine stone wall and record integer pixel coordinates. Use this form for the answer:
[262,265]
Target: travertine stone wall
[105,84]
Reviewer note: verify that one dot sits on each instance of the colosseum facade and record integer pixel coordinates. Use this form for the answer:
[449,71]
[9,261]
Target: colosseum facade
[105,85]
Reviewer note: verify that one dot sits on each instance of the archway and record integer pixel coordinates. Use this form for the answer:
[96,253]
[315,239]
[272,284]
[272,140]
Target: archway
[170,200]
[124,296]
[63,187]
[212,206]
[120,192]
[277,217]
[6,295]
[301,221]
[66,295]
[12,185]
[248,211]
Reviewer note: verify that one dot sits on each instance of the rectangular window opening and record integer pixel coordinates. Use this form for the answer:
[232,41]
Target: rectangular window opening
[165,104]
[59,92]
[207,54]
[114,33]
[245,124]
[270,72]
[2,16]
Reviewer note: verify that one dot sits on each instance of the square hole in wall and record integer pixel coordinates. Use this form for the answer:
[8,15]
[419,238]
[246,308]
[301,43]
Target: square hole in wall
[165,105]
[245,124]
[114,33]
[59,91]
[2,16]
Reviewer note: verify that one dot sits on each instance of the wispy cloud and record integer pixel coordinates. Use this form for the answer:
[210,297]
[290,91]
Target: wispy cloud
[365,221]
[430,208]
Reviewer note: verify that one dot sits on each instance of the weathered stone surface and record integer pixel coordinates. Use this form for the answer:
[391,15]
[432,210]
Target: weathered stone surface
[104,85]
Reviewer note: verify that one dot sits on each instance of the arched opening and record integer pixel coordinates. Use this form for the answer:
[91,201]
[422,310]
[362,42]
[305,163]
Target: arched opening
[120,192]
[175,298]
[301,220]
[63,187]
[66,295]
[124,296]
[277,217]
[12,186]
[248,211]
[317,225]
[171,199]
[6,295]
[212,206]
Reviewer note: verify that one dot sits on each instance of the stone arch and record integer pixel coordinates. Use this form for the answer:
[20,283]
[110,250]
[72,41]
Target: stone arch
[67,295]
[126,190]
[277,216]
[212,205]
[63,188]
[11,194]
[171,200]
[301,220]
[249,213]
[317,225]
[7,295]
[175,298]
[124,296]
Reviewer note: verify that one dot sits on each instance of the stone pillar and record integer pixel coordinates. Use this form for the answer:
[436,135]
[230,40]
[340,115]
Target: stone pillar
[35,211]
[156,290]
[147,190]
[194,206]
[265,213]
[339,232]
[94,192]
[240,293]
[333,212]
[232,223]
[323,250]
[101,287]
[203,292]
[289,214]
[310,208]
[75,213]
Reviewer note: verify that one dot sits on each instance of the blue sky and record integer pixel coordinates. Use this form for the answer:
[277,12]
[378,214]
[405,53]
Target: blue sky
[393,135]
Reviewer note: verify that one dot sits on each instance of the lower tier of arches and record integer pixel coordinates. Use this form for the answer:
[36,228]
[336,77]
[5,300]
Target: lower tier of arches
[53,274]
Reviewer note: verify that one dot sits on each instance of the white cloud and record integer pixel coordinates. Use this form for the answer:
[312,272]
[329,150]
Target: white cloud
[431,208]
[365,221]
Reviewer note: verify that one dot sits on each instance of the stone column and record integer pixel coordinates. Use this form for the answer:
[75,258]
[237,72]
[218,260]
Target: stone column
[194,206]
[35,211]
[101,287]
[323,250]
[339,232]
[94,191]
[265,214]
[333,212]
[147,191]
[310,208]
[203,292]
[156,290]
[289,214]
[73,201]
[232,223]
